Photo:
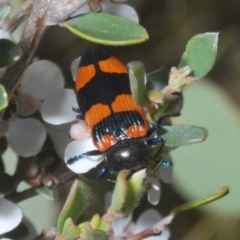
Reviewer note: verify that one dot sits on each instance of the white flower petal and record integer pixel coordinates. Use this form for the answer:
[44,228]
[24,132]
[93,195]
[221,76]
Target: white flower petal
[79,131]
[10,216]
[26,136]
[120,224]
[121,10]
[86,163]
[5,35]
[154,194]
[57,108]
[27,105]
[147,219]
[60,137]
[41,78]
[74,67]
[166,172]
[107,199]
[81,10]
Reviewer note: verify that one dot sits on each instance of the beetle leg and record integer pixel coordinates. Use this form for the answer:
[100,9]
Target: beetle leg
[163,163]
[102,172]
[152,130]
[155,141]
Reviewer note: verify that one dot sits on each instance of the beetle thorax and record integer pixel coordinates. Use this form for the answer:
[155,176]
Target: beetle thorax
[129,154]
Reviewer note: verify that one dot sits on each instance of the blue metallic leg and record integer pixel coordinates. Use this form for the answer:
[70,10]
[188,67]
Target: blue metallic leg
[102,172]
[152,130]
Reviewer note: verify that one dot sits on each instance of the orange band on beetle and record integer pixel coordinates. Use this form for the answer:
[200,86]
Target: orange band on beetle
[136,131]
[125,102]
[84,75]
[112,65]
[96,114]
[105,143]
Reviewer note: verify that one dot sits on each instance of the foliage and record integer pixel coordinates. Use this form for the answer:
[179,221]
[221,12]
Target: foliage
[158,92]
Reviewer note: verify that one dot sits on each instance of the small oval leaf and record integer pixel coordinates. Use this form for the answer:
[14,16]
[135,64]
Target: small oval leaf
[156,80]
[70,231]
[3,98]
[137,83]
[46,192]
[10,52]
[76,202]
[215,195]
[94,234]
[106,29]
[120,192]
[175,136]
[200,54]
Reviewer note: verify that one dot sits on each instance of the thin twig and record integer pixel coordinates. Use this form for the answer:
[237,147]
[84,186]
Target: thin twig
[11,24]
[62,179]
[20,196]
[157,229]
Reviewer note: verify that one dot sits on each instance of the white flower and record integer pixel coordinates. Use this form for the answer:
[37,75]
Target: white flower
[124,227]
[27,135]
[57,110]
[10,215]
[163,173]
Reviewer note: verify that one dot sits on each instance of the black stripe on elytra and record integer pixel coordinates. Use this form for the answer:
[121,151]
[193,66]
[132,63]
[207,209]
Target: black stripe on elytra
[93,56]
[103,88]
[116,124]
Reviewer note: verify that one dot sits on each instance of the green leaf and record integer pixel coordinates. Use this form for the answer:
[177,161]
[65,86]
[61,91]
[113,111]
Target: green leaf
[76,202]
[219,193]
[5,9]
[156,80]
[127,192]
[120,192]
[10,52]
[7,184]
[171,107]
[3,98]
[137,83]
[175,136]
[200,54]
[135,190]
[94,234]
[106,29]
[46,192]
[70,231]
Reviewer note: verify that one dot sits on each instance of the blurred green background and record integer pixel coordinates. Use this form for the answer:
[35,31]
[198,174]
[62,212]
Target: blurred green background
[212,103]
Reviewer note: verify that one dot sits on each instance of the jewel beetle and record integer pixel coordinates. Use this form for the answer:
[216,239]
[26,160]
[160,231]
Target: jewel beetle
[117,125]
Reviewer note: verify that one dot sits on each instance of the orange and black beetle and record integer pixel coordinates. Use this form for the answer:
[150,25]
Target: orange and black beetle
[117,125]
